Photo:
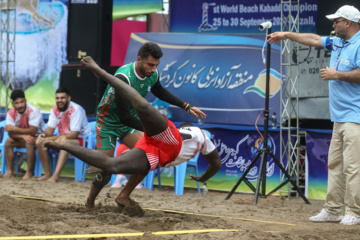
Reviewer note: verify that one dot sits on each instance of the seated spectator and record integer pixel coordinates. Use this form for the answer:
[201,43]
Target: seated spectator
[71,121]
[23,122]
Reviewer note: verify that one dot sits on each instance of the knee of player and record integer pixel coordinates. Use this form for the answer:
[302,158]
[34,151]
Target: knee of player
[101,179]
[143,106]
[38,145]
[9,142]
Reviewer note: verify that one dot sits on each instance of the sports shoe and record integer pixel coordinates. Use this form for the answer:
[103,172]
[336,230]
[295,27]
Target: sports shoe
[350,220]
[116,184]
[120,181]
[325,216]
[139,186]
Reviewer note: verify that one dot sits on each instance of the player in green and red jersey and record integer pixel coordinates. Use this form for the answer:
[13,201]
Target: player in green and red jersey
[116,118]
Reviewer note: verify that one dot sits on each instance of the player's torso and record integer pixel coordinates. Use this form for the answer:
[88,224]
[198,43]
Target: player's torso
[107,111]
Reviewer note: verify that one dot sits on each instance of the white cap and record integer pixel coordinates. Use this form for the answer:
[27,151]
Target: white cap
[347,12]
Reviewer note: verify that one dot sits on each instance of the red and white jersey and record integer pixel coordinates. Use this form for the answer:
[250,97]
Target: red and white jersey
[73,119]
[195,141]
[32,116]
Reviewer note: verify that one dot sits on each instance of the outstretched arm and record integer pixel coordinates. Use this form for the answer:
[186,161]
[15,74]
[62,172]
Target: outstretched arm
[308,39]
[163,94]
[214,166]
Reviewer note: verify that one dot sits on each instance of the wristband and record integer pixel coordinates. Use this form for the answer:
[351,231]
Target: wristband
[187,106]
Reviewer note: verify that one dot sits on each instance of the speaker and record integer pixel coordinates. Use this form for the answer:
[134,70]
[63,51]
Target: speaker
[326,7]
[85,89]
[90,31]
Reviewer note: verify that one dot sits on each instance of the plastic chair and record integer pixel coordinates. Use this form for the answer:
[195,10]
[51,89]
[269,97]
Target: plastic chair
[2,149]
[179,173]
[162,107]
[78,164]
[38,165]
[5,136]
[113,176]
[90,143]
[149,179]
[194,163]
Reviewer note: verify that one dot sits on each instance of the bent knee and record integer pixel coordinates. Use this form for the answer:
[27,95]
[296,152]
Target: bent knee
[9,142]
[101,179]
[143,106]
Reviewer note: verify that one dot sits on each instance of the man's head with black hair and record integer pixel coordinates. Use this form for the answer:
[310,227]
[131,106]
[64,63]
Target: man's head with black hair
[150,48]
[62,98]
[148,59]
[18,100]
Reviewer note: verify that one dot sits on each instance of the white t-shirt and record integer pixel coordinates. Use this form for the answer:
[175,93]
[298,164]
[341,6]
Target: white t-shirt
[195,142]
[32,116]
[73,119]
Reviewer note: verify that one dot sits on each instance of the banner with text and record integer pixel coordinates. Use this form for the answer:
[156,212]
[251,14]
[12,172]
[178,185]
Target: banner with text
[237,16]
[317,147]
[225,76]
[237,149]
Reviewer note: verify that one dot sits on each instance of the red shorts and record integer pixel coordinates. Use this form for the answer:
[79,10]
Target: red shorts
[162,148]
[81,141]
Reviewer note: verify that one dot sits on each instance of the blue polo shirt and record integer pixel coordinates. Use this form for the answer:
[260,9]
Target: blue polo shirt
[344,97]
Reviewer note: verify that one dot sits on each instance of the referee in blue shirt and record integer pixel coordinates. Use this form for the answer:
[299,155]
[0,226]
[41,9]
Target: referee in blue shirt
[342,202]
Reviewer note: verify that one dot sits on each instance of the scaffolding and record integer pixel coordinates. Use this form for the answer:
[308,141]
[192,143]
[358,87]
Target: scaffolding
[289,98]
[7,57]
[164,16]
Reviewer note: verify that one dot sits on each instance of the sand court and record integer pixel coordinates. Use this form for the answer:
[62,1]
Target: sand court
[40,210]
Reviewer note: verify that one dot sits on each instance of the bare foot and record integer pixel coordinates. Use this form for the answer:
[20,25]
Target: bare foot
[90,65]
[123,202]
[43,178]
[56,145]
[27,175]
[8,175]
[88,204]
[131,208]
[52,180]
[93,169]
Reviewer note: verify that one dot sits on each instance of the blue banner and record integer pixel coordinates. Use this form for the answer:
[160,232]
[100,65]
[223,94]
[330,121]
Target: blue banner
[224,75]
[317,147]
[236,16]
